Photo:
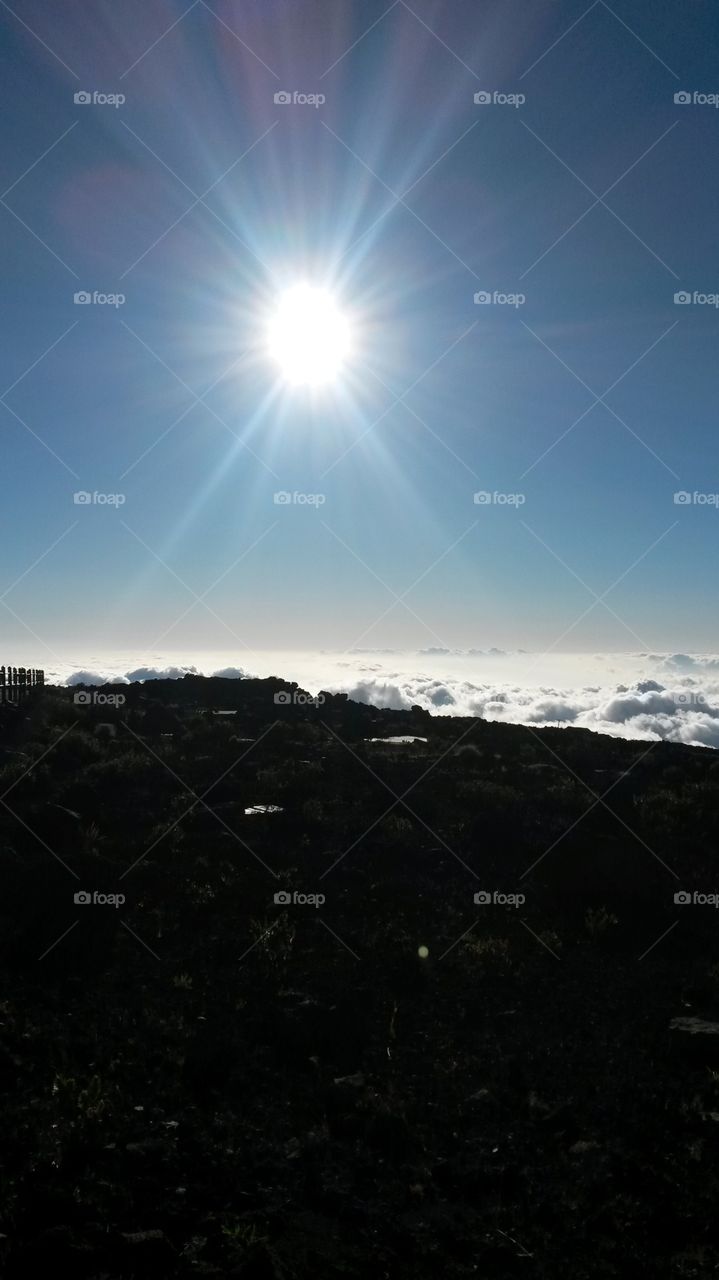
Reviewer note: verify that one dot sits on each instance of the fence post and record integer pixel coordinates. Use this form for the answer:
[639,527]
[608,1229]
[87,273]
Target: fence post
[17,683]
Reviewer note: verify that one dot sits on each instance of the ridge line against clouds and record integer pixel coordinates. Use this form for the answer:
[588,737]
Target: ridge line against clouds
[645,696]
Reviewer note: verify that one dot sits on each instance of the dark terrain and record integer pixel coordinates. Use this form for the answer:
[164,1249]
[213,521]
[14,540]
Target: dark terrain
[204,1082]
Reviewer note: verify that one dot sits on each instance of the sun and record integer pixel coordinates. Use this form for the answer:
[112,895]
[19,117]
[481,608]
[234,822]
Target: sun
[308,336]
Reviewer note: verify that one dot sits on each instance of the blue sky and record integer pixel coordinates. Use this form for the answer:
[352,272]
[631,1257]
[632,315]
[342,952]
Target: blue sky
[167,401]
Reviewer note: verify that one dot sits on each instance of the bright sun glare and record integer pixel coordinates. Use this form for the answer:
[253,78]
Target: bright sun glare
[308,336]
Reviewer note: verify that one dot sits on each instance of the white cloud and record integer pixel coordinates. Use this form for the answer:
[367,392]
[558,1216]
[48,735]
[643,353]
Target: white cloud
[700,662]
[166,673]
[645,710]
[552,709]
[648,696]
[94,677]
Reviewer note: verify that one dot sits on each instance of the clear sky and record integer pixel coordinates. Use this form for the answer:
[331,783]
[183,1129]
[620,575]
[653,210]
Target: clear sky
[200,199]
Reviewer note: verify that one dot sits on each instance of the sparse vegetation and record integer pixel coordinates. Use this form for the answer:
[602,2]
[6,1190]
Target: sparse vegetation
[201,1080]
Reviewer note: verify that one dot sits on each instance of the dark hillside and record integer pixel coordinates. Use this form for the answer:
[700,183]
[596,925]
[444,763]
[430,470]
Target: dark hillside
[292,1043]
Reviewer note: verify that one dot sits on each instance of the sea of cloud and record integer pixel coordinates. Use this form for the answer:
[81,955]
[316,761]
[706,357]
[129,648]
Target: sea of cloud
[644,696]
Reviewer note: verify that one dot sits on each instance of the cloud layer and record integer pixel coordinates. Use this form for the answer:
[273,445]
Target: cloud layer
[646,696]
[677,713]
